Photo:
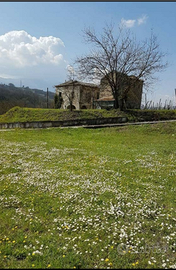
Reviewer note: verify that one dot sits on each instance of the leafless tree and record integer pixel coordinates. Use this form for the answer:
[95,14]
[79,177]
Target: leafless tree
[117,57]
[70,92]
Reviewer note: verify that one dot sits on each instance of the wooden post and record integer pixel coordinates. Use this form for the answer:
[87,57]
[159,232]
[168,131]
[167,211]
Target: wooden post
[47,97]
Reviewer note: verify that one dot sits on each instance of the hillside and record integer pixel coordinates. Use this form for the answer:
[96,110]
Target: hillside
[11,96]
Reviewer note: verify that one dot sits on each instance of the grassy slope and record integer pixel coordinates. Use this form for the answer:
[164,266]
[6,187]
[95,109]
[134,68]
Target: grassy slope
[75,195]
[18,114]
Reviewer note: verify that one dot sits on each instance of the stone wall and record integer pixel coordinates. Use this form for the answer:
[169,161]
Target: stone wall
[134,95]
[87,96]
[105,89]
[65,123]
[66,93]
[82,98]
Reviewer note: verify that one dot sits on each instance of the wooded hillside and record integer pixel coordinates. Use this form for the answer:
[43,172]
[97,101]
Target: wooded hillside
[11,96]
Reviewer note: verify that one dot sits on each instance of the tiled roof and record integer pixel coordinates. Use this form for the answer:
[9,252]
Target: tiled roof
[76,83]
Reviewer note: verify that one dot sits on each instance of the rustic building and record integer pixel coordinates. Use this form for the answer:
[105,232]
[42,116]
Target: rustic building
[133,97]
[82,95]
[88,96]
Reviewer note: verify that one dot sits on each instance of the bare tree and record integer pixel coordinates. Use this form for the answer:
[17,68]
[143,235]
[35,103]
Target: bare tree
[117,58]
[70,92]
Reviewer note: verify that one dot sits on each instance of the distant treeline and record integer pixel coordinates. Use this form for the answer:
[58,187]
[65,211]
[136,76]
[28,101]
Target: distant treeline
[11,96]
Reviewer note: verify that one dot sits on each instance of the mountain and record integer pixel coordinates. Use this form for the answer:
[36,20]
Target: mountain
[11,96]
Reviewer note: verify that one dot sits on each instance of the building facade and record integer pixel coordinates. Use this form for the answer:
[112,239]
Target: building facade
[133,97]
[81,95]
[90,96]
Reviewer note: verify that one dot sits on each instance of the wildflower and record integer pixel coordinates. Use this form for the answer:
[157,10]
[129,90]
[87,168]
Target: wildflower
[49,265]
[63,256]
[107,260]
[13,241]
[33,265]
[37,252]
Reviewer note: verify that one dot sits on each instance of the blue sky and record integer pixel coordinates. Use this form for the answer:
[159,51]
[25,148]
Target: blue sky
[39,39]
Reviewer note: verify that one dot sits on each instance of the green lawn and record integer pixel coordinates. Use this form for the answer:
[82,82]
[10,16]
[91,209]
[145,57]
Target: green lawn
[84,198]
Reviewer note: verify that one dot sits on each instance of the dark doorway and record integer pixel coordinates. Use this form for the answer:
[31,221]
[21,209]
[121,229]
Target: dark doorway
[83,107]
[73,107]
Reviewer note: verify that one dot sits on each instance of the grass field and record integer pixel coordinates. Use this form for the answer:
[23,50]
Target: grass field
[84,198]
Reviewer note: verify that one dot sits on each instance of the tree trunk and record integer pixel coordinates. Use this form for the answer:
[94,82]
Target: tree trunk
[121,104]
[116,103]
[71,108]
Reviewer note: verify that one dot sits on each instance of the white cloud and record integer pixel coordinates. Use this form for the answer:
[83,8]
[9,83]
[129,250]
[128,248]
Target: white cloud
[131,23]
[127,23]
[26,56]
[21,49]
[7,76]
[142,20]
[70,69]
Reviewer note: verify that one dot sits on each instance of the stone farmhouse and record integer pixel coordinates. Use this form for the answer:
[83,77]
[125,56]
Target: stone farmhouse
[133,98]
[92,96]
[84,94]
